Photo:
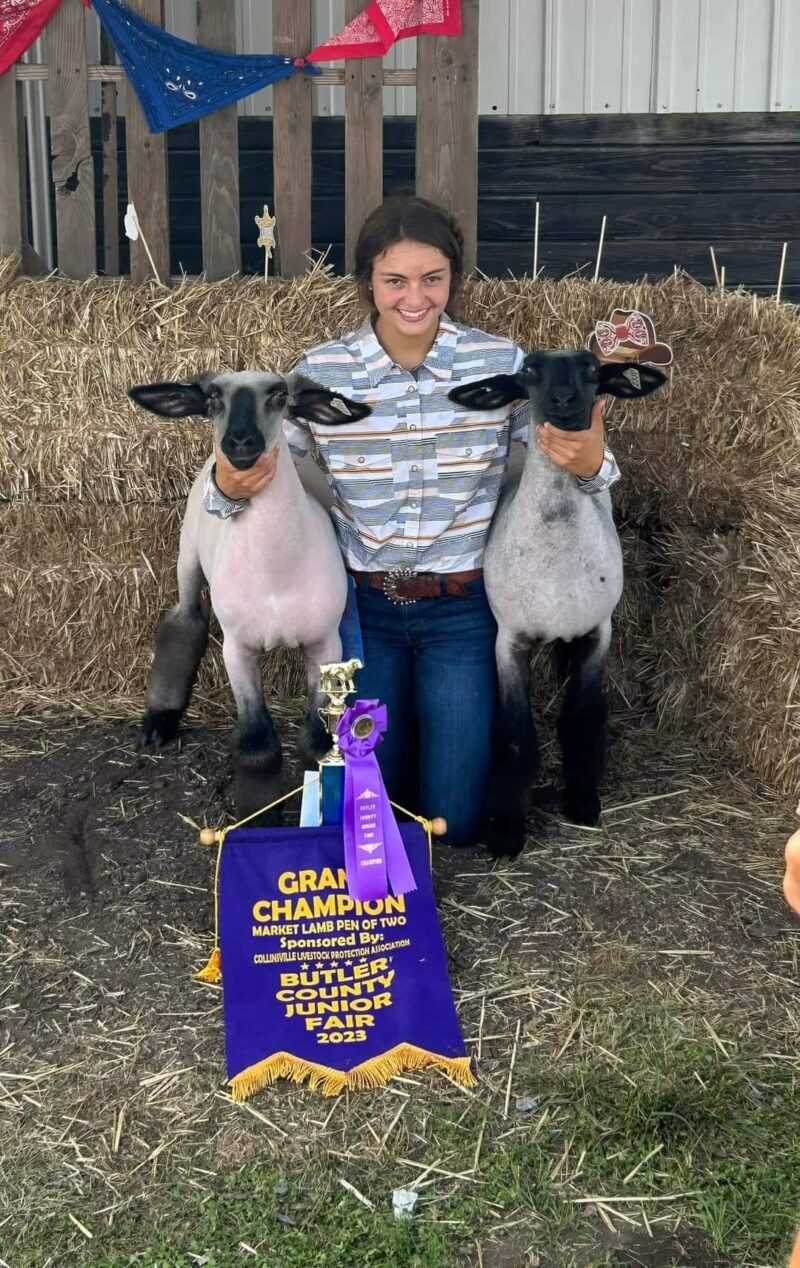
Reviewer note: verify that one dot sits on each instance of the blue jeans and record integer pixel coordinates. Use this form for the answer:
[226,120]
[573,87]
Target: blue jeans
[432,663]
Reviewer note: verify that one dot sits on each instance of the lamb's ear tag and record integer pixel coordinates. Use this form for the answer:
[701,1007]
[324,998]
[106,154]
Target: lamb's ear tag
[340,407]
[633,376]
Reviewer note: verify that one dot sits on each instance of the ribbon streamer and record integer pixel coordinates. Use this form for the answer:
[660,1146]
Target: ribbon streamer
[374,855]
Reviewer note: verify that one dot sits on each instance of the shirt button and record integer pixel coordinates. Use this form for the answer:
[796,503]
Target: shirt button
[412,426]
[415,468]
[362,460]
[468,451]
[411,387]
[413,505]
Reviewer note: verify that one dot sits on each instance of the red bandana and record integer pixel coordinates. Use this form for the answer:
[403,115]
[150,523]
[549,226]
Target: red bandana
[22,22]
[375,30]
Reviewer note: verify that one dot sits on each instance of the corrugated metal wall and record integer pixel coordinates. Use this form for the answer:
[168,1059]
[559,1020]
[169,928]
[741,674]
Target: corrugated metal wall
[579,56]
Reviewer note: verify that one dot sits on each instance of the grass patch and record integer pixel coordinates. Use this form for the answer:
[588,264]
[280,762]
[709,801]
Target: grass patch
[719,1121]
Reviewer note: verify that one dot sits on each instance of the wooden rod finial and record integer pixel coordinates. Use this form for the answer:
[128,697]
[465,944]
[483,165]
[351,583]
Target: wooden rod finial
[209,836]
[438,827]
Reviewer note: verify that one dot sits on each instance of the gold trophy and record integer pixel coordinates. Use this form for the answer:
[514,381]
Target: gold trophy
[336,680]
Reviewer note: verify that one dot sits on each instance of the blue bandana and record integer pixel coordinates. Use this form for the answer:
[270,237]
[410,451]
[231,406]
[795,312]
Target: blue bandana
[176,81]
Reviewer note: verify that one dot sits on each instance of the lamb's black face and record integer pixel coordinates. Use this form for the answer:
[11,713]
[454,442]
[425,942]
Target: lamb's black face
[563,387]
[248,407]
[247,411]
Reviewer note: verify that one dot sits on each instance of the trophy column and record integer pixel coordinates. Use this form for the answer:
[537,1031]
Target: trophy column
[336,680]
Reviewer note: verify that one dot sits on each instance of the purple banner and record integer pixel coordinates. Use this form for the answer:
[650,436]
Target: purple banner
[318,985]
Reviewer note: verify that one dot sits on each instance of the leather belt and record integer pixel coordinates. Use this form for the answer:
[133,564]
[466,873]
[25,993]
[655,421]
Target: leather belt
[405,586]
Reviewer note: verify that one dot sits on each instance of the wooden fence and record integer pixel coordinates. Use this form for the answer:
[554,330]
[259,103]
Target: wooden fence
[446,80]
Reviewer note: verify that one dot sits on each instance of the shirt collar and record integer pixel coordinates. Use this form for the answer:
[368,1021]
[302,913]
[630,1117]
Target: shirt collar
[379,364]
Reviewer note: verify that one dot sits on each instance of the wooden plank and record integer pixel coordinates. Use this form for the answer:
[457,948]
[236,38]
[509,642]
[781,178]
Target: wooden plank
[330,77]
[108,122]
[291,36]
[11,190]
[644,214]
[363,145]
[575,169]
[638,218]
[71,157]
[219,154]
[670,129]
[447,124]
[146,162]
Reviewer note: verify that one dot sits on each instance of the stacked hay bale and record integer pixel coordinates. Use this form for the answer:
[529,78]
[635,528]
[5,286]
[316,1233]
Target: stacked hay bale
[92,489]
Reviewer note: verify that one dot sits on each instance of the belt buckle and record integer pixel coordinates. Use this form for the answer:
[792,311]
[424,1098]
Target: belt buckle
[389,585]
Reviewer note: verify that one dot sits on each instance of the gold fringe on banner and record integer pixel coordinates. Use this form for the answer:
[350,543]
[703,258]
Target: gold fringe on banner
[212,971]
[375,1072]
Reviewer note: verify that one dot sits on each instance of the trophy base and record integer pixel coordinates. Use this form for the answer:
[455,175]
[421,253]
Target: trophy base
[331,793]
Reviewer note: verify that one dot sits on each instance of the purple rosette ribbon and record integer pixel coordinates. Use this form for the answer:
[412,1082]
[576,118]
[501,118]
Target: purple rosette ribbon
[374,854]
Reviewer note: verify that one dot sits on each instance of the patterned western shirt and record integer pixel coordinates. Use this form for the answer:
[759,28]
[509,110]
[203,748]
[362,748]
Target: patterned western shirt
[416,484]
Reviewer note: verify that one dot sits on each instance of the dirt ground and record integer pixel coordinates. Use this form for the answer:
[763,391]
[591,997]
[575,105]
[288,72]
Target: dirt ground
[111,1057]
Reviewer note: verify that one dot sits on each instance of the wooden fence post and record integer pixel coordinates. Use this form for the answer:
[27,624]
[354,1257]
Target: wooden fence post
[363,139]
[219,154]
[70,146]
[146,161]
[108,119]
[11,184]
[291,138]
[447,124]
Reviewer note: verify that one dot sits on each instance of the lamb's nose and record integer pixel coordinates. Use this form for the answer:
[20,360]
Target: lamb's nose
[564,398]
[242,444]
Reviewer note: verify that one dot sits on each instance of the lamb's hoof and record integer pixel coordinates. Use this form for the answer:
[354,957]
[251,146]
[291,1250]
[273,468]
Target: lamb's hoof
[582,808]
[159,726]
[505,836]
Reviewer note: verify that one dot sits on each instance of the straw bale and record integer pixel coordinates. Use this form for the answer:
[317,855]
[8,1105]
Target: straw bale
[80,605]
[720,444]
[727,667]
[707,630]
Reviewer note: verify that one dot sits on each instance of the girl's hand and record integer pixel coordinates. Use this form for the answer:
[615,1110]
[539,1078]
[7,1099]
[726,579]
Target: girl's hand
[237,484]
[579,452]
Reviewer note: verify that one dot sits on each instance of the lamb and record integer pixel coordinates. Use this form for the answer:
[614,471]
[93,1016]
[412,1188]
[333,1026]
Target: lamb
[275,572]
[553,574]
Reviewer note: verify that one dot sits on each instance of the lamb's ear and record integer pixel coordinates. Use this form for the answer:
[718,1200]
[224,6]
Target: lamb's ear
[490,393]
[171,400]
[618,379]
[316,404]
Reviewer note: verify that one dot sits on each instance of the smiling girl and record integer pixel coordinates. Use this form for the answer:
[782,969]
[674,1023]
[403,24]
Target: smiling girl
[415,487]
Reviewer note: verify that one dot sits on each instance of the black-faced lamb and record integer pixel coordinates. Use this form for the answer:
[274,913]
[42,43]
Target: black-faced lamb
[553,573]
[275,572]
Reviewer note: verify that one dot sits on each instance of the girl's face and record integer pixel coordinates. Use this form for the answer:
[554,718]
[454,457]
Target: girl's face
[410,289]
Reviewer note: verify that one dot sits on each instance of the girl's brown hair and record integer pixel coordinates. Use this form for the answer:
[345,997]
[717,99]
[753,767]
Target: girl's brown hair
[407,218]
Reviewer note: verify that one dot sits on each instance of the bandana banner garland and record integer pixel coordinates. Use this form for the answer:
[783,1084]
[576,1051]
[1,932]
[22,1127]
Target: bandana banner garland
[383,22]
[318,986]
[177,81]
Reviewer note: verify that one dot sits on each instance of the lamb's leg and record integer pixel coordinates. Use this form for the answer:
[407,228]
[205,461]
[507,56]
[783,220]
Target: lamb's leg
[314,738]
[516,751]
[256,747]
[180,646]
[582,722]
